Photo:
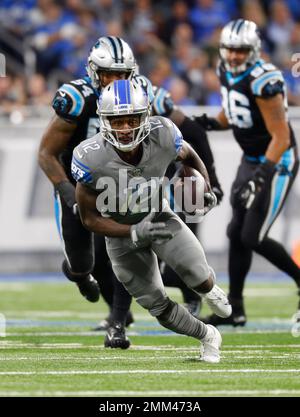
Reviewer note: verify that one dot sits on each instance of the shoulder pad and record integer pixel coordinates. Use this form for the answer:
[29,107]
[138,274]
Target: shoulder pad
[68,102]
[268,84]
[80,171]
[146,84]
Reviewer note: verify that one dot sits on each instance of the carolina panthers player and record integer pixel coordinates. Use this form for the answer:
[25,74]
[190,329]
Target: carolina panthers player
[75,120]
[255,108]
[131,153]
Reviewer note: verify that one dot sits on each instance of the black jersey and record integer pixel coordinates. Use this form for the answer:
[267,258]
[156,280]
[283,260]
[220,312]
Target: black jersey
[76,102]
[239,104]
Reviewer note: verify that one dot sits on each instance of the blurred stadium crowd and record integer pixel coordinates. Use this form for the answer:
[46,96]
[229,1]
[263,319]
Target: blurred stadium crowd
[46,42]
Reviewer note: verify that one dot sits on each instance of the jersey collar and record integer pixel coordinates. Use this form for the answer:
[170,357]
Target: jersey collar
[233,80]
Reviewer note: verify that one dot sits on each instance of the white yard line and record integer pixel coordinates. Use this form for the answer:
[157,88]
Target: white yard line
[158,371]
[148,393]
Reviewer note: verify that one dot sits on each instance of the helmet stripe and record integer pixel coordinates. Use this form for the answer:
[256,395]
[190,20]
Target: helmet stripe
[121,47]
[122,92]
[114,46]
[233,27]
[240,26]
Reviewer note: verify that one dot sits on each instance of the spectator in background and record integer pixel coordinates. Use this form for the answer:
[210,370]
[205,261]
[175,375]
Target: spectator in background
[206,16]
[253,10]
[107,10]
[12,94]
[141,34]
[88,27]
[183,50]
[211,86]
[37,91]
[54,37]
[179,91]
[161,73]
[179,16]
[280,28]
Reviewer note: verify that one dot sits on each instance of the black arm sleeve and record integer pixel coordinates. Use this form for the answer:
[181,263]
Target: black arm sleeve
[196,136]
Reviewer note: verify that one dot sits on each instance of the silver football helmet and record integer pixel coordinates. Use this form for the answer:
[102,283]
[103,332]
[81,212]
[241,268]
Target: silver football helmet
[110,54]
[240,34]
[123,98]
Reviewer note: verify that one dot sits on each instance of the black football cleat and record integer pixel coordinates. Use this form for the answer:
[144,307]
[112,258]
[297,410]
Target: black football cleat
[116,338]
[87,284]
[89,288]
[105,323]
[233,320]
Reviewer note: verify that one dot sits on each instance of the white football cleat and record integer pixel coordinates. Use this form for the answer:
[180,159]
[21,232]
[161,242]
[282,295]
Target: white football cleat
[210,347]
[218,302]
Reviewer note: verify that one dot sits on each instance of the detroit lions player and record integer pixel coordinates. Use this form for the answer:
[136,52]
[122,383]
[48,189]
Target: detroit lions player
[255,108]
[131,152]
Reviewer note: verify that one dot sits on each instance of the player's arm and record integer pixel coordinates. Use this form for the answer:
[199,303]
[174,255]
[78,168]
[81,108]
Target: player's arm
[273,113]
[189,157]
[92,219]
[141,233]
[54,141]
[193,133]
[220,122]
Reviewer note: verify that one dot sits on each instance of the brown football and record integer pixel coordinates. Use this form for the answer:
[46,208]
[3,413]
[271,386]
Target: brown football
[189,189]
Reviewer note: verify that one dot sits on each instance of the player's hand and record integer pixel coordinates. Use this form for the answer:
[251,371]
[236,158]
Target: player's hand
[162,104]
[261,177]
[207,123]
[210,201]
[215,185]
[145,232]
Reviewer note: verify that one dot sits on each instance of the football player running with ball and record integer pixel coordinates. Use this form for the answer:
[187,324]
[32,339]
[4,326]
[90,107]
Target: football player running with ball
[255,108]
[129,154]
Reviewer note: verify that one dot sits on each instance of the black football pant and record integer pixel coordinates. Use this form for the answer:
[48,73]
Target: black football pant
[86,253]
[248,228]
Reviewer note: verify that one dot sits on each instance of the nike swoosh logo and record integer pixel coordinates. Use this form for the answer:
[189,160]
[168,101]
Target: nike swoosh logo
[62,93]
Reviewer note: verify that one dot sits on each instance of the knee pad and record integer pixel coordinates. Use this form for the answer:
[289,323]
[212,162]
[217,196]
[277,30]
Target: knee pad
[71,275]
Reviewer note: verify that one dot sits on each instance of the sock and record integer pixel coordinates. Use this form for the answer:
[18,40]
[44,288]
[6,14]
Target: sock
[178,319]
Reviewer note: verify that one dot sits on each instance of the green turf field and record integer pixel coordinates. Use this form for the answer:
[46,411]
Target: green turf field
[50,350]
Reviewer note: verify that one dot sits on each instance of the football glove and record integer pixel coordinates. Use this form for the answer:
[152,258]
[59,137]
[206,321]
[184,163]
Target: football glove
[210,201]
[215,185]
[262,176]
[208,123]
[162,104]
[66,190]
[145,232]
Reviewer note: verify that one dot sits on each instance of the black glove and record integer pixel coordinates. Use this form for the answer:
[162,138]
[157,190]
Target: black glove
[162,104]
[67,192]
[215,185]
[262,177]
[208,123]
